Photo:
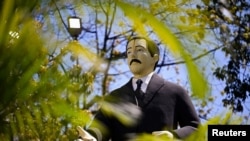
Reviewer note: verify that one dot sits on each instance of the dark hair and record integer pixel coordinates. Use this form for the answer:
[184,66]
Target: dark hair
[151,46]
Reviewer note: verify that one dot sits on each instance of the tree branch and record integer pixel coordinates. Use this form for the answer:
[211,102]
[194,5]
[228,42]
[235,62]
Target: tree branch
[195,58]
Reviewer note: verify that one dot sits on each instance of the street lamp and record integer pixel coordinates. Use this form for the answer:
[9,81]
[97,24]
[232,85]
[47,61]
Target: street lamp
[74,27]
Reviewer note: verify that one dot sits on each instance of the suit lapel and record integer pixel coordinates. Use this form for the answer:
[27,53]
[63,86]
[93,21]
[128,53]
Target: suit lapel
[154,85]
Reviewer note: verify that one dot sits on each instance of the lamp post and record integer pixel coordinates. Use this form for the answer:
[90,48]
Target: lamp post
[74,26]
[75,29]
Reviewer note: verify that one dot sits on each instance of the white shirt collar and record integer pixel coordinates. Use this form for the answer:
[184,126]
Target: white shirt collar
[145,83]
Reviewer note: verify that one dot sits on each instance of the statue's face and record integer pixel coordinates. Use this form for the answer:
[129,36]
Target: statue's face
[139,60]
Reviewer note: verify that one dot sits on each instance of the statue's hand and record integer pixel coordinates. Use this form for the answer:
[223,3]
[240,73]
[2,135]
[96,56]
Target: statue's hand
[84,135]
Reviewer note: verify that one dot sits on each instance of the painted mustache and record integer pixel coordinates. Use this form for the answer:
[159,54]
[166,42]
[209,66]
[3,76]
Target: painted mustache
[135,60]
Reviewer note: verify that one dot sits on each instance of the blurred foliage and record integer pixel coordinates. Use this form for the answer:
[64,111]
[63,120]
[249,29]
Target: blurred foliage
[47,80]
[38,101]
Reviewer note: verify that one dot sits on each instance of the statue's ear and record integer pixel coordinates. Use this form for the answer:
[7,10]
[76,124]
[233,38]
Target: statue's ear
[156,57]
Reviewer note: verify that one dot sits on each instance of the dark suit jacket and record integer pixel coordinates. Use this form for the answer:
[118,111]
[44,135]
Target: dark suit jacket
[166,106]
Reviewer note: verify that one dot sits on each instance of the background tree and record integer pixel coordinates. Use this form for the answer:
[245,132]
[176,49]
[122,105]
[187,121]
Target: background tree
[230,23]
